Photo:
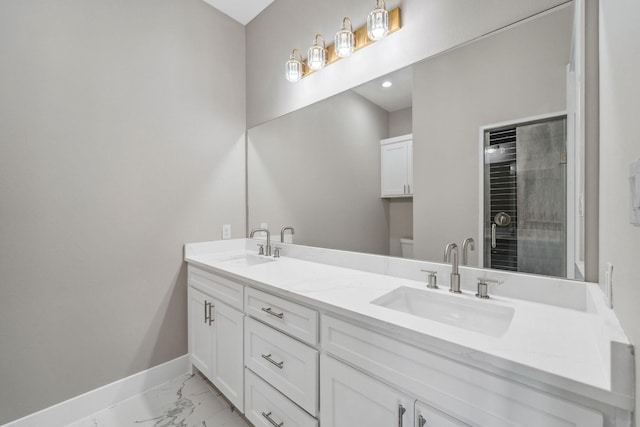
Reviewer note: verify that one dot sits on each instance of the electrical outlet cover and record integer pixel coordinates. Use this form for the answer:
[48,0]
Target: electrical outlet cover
[226,231]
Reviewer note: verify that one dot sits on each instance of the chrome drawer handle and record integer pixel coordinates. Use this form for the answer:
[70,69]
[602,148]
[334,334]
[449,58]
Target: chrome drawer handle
[421,421]
[273,313]
[401,412]
[268,358]
[268,417]
[208,318]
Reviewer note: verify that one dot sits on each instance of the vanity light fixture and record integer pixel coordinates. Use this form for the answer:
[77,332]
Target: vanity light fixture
[347,40]
[317,55]
[344,42]
[378,22]
[294,67]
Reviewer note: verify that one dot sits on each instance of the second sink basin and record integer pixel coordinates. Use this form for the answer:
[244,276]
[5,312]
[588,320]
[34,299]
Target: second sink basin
[476,316]
[246,260]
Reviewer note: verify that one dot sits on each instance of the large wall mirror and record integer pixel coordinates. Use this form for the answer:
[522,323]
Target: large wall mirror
[498,111]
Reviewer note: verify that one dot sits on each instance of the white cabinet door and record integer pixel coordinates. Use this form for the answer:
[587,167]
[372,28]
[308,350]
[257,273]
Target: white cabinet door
[200,332]
[228,364]
[350,398]
[426,416]
[396,162]
[216,344]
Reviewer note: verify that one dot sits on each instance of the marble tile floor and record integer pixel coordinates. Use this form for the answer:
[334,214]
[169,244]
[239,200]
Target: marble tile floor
[187,401]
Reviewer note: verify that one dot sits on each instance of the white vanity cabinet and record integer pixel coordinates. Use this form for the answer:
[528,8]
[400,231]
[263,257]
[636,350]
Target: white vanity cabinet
[396,166]
[216,334]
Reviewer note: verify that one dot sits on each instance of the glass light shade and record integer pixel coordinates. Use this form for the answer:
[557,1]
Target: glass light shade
[378,22]
[293,67]
[344,42]
[317,56]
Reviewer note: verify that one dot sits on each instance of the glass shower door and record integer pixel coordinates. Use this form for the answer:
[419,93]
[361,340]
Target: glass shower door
[525,203]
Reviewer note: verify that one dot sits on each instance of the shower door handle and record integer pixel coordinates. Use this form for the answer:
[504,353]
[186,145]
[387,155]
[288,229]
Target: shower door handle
[493,235]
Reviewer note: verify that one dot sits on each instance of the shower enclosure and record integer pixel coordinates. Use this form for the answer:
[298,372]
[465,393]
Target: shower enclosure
[525,197]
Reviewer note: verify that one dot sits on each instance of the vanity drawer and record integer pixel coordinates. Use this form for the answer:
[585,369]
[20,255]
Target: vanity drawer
[286,364]
[296,320]
[264,402]
[225,290]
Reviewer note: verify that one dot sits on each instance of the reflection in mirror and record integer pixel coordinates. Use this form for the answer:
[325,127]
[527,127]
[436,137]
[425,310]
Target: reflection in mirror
[319,168]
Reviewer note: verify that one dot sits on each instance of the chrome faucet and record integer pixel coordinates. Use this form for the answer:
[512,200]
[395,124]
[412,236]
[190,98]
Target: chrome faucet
[285,228]
[468,243]
[267,251]
[455,277]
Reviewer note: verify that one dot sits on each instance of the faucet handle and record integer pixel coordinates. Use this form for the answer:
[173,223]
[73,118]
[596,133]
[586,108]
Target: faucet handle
[432,279]
[276,252]
[483,287]
[260,249]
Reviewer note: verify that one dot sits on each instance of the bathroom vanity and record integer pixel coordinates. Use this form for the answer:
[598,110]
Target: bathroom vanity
[321,337]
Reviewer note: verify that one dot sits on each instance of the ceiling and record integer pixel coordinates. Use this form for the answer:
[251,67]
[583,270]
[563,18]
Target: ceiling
[393,98]
[242,11]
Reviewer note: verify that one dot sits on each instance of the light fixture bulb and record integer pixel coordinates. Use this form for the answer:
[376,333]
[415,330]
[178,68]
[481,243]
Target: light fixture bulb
[378,22]
[317,55]
[293,67]
[387,83]
[344,41]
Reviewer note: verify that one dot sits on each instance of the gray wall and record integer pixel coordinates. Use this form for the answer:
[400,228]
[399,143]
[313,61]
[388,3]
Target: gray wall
[400,122]
[429,27]
[121,133]
[318,169]
[510,75]
[619,146]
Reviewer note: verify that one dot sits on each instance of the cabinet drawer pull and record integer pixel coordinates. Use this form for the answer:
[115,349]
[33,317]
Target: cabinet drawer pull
[210,315]
[206,316]
[268,358]
[421,421]
[268,417]
[401,412]
[273,313]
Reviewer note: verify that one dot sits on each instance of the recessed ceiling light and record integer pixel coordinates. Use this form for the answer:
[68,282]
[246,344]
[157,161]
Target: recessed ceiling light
[387,83]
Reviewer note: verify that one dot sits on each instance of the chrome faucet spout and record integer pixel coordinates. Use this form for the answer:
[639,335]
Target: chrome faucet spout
[451,255]
[285,228]
[267,251]
[468,243]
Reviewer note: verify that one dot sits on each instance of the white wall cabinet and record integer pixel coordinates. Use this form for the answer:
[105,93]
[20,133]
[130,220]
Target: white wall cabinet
[396,166]
[216,341]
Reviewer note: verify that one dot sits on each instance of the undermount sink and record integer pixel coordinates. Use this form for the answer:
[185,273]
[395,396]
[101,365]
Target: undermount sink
[477,316]
[246,260]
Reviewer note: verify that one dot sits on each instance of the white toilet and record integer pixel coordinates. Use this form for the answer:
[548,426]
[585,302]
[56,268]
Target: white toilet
[406,247]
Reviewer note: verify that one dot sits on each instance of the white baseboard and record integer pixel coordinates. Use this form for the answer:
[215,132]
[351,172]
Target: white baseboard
[82,406]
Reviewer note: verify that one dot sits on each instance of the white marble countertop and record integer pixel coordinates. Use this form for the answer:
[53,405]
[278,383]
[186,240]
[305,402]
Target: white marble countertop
[567,348]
